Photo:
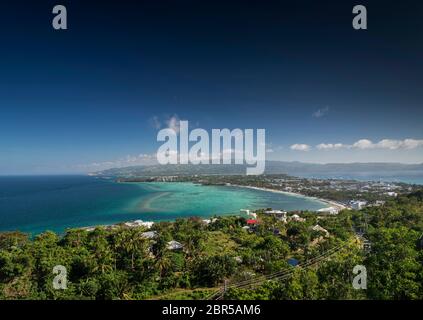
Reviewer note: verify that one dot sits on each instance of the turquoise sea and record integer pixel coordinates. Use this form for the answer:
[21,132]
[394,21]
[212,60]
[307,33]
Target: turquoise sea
[38,203]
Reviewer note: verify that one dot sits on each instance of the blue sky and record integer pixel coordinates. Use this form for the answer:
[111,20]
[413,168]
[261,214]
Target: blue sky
[87,97]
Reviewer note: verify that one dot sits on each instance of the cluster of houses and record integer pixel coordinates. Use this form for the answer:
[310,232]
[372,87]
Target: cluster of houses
[359,204]
[129,224]
[171,245]
[150,235]
[283,216]
[291,184]
[279,214]
[358,190]
[252,222]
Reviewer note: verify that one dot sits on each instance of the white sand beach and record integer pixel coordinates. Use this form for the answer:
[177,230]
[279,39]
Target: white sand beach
[331,203]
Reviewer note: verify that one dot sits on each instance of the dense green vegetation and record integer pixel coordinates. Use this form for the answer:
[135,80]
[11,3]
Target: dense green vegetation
[121,263]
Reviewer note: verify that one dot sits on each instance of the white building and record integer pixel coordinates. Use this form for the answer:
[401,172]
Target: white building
[280,215]
[296,217]
[249,213]
[391,194]
[150,234]
[357,204]
[139,223]
[275,212]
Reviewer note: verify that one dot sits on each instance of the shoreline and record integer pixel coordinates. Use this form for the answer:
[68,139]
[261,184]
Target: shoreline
[332,203]
[65,228]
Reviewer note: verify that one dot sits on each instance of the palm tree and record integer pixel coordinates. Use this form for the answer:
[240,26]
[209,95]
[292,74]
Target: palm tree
[131,243]
[164,263]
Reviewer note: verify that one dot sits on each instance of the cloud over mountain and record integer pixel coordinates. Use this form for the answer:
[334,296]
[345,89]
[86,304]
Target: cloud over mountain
[300,147]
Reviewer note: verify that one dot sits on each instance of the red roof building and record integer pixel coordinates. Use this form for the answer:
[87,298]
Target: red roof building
[252,221]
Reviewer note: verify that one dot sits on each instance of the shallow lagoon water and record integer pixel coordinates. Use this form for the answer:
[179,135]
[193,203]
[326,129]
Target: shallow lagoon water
[35,204]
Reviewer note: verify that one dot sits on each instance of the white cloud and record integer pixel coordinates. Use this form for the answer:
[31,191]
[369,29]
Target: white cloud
[320,112]
[389,144]
[330,146]
[363,144]
[412,143]
[366,144]
[173,123]
[300,147]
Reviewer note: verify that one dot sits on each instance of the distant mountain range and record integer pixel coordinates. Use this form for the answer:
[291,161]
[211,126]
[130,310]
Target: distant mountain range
[272,167]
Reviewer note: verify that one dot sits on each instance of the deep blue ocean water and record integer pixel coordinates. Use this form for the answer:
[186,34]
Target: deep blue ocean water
[38,203]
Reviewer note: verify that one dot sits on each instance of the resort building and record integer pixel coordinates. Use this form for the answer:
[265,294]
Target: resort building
[279,214]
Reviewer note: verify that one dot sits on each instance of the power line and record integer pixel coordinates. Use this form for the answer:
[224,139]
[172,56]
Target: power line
[281,275]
